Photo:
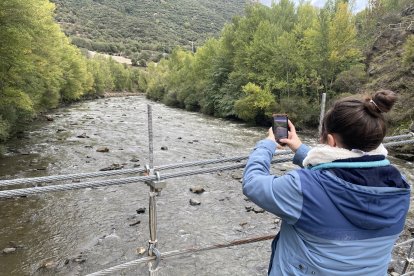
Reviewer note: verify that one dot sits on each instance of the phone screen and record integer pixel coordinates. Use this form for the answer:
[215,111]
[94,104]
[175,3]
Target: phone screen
[280,126]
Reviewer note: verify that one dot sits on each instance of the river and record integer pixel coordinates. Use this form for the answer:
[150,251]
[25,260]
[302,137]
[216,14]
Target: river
[83,231]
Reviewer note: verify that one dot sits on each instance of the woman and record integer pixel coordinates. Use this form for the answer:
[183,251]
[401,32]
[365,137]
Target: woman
[343,211]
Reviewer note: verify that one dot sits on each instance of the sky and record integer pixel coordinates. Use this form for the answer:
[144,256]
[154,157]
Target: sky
[359,4]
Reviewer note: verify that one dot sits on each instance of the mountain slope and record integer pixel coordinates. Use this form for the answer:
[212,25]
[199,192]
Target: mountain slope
[129,26]
[386,67]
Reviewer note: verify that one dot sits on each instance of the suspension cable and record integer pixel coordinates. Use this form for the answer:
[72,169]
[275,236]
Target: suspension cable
[47,179]
[128,180]
[178,252]
[399,137]
[399,143]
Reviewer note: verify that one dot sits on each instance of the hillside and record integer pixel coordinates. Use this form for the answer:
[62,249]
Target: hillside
[388,69]
[385,64]
[127,27]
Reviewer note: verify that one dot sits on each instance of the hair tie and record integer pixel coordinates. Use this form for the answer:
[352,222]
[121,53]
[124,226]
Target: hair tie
[379,109]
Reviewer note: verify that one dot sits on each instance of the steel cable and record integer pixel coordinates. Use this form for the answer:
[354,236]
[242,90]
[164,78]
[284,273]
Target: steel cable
[399,137]
[173,253]
[111,182]
[46,179]
[399,143]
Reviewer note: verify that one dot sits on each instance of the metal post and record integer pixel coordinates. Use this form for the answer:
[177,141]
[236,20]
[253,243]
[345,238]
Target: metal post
[152,228]
[322,114]
[155,189]
[150,137]
[408,260]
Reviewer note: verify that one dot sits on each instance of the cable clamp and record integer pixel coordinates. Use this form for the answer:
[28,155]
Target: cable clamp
[157,184]
[154,251]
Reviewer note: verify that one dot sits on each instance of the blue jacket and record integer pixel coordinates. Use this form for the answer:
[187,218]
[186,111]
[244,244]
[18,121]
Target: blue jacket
[339,218]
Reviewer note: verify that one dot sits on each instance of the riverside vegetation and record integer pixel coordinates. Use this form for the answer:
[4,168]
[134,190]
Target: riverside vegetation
[40,68]
[280,58]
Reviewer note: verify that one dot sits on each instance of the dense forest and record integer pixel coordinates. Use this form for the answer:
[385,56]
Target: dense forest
[278,58]
[143,29]
[40,68]
[282,58]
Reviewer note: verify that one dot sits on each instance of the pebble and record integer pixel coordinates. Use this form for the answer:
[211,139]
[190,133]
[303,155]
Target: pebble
[80,259]
[49,117]
[141,210]
[254,209]
[197,190]
[194,202]
[164,148]
[102,149]
[83,135]
[113,167]
[47,263]
[9,250]
[135,223]
[237,176]
[141,250]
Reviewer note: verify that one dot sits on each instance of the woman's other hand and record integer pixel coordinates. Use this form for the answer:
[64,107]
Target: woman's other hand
[293,141]
[271,135]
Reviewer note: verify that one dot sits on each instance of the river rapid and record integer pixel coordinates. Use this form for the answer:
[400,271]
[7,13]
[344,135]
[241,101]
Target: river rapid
[83,231]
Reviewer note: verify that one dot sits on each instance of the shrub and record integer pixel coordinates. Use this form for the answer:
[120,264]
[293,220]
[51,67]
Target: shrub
[350,80]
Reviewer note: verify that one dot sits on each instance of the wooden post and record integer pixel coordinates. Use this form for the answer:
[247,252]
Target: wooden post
[323,102]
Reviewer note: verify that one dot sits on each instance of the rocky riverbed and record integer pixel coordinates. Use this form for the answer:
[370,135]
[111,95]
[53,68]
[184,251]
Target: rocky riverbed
[83,231]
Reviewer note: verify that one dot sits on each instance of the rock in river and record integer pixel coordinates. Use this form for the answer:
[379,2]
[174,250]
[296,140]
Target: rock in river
[9,250]
[197,190]
[194,202]
[102,149]
[141,210]
[83,135]
[113,167]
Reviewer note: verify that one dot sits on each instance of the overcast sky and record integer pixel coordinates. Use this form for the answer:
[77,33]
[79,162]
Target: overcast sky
[359,4]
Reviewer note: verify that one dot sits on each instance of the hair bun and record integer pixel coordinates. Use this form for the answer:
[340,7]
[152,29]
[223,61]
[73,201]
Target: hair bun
[384,100]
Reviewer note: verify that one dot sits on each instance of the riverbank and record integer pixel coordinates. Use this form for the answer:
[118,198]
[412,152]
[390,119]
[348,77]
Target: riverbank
[122,94]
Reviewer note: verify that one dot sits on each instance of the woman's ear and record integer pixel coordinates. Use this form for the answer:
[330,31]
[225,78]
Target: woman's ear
[330,140]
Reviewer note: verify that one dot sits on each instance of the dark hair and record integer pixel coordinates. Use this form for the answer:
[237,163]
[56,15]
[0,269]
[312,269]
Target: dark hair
[359,122]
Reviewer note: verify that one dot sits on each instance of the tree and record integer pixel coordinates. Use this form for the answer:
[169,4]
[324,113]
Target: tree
[255,104]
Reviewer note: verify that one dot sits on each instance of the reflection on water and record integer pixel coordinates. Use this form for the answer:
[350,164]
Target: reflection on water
[79,232]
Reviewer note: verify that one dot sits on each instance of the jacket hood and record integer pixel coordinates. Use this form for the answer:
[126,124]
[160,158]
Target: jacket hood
[370,198]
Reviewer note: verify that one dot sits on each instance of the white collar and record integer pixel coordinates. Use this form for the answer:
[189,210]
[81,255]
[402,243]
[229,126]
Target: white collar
[325,154]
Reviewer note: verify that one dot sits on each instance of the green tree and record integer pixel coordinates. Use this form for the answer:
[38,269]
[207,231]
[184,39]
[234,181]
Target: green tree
[255,104]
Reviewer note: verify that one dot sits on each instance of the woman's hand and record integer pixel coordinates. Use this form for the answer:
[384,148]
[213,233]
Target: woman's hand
[293,141]
[271,136]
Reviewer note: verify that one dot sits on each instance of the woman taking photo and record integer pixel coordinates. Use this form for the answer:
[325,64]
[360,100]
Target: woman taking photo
[343,211]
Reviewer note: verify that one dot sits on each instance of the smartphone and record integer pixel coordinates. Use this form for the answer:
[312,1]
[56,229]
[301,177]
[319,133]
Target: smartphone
[280,126]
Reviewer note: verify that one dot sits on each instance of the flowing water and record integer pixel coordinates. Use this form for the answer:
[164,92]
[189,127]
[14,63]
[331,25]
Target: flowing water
[83,231]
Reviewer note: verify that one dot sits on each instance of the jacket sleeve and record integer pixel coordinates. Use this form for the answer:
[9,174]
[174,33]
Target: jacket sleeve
[282,195]
[300,155]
